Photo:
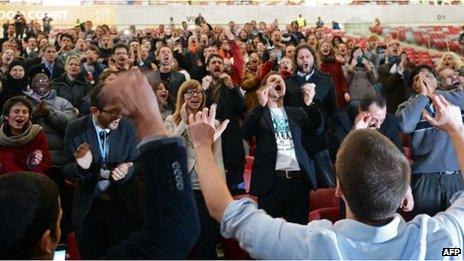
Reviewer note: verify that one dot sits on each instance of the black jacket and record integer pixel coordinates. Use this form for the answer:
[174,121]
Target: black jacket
[40,68]
[231,106]
[172,225]
[324,99]
[174,81]
[123,148]
[259,124]
[74,91]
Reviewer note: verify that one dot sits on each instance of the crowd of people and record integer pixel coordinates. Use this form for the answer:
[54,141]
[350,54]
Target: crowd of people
[289,97]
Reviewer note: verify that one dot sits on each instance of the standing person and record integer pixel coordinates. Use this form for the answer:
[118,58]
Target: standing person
[394,71]
[47,24]
[221,90]
[20,24]
[166,73]
[23,146]
[72,85]
[16,82]
[99,151]
[315,144]
[282,172]
[49,66]
[328,64]
[361,77]
[436,175]
[191,99]
[319,22]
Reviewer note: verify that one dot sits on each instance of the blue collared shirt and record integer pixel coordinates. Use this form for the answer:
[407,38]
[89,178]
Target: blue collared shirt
[265,237]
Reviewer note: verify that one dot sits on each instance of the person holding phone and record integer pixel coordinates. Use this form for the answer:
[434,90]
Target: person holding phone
[436,175]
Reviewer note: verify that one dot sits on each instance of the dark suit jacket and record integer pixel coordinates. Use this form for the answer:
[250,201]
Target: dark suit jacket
[343,124]
[231,106]
[174,82]
[394,86]
[123,148]
[171,219]
[259,124]
[40,68]
[324,98]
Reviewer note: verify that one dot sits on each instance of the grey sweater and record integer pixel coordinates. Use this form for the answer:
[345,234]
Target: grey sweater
[432,149]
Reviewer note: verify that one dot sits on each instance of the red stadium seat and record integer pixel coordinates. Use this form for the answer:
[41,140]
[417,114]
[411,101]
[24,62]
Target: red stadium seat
[72,251]
[330,213]
[247,179]
[249,162]
[322,198]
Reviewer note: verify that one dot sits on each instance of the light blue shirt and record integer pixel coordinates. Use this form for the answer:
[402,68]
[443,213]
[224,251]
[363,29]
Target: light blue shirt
[265,237]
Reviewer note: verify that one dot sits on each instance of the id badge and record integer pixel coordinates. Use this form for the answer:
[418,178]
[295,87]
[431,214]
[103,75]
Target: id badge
[104,173]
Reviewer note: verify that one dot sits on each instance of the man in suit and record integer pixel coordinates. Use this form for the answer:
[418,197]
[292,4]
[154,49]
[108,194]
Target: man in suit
[165,72]
[167,188]
[282,172]
[372,113]
[48,65]
[106,206]
[306,72]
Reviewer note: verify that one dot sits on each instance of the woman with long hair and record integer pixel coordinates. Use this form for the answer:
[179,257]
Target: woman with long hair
[192,99]
[165,103]
[330,65]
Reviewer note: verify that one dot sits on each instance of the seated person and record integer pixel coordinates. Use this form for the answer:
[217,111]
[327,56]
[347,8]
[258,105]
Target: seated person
[23,146]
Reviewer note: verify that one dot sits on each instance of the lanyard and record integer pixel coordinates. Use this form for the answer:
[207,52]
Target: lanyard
[103,145]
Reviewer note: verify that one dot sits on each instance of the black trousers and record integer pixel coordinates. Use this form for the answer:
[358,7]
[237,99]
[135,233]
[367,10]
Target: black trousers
[288,199]
[106,225]
[432,191]
[205,247]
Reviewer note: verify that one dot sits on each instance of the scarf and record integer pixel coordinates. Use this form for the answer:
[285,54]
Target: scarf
[19,140]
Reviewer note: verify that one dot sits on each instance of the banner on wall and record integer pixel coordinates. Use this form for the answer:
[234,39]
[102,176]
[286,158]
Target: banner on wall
[62,15]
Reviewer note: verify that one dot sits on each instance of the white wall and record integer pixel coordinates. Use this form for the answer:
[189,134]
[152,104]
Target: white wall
[392,14]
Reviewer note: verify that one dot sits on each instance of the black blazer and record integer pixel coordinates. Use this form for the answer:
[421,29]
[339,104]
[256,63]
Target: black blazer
[40,68]
[231,106]
[259,124]
[324,98]
[171,223]
[123,148]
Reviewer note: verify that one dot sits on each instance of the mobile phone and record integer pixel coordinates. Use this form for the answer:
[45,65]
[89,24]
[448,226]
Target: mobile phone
[60,253]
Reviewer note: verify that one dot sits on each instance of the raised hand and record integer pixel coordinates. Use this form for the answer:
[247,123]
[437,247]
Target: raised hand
[35,158]
[206,82]
[362,120]
[309,90]
[83,156]
[183,112]
[202,129]
[448,117]
[132,93]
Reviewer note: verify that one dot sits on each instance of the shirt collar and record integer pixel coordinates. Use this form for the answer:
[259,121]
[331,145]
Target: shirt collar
[358,231]
[307,76]
[97,127]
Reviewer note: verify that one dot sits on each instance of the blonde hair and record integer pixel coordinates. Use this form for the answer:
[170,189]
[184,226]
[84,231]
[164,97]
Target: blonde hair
[70,58]
[458,64]
[189,84]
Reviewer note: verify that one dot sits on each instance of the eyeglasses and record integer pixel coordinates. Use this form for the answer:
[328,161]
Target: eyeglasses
[113,114]
[191,92]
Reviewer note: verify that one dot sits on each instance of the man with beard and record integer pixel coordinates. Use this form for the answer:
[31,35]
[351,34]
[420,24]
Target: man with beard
[315,144]
[282,172]
[166,73]
[221,90]
[394,71]
[98,155]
